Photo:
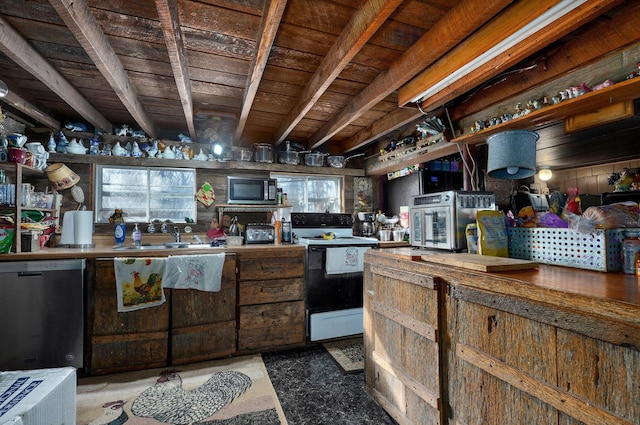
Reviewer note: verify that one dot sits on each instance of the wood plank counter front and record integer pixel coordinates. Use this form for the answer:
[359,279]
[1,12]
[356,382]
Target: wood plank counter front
[552,345]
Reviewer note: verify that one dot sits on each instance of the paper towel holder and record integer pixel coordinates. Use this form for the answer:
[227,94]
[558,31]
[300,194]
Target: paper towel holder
[73,235]
[512,154]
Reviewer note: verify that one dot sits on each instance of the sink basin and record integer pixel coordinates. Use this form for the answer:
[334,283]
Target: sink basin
[138,248]
[168,245]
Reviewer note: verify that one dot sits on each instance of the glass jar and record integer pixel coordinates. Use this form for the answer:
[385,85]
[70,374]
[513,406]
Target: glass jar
[630,252]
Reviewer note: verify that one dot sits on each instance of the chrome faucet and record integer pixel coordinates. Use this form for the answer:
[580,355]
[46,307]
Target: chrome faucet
[175,232]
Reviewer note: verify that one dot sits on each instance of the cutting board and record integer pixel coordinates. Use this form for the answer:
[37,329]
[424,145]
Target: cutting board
[483,263]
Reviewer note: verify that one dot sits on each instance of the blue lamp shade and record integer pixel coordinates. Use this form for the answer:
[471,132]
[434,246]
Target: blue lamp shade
[512,154]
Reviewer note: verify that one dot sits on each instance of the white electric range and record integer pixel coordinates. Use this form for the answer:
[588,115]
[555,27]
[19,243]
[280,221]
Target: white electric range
[334,273]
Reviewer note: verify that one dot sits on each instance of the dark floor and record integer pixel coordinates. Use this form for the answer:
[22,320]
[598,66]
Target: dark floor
[314,390]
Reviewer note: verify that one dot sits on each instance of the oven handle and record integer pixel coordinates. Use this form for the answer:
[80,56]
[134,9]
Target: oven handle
[324,248]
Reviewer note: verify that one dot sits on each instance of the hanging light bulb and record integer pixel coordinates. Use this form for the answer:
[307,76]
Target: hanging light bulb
[545,174]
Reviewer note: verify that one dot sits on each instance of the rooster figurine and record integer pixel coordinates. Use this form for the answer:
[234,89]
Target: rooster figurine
[114,414]
[168,402]
[573,201]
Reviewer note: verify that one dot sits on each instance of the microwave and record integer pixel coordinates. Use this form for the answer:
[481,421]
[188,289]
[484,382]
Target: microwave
[250,191]
[439,220]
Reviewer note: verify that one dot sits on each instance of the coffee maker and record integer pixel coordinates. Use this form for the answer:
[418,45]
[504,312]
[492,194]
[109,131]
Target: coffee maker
[367,224]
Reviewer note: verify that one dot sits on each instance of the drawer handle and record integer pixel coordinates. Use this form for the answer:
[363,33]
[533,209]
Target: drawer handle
[273,289]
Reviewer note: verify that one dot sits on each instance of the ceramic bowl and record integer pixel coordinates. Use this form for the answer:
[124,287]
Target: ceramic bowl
[78,150]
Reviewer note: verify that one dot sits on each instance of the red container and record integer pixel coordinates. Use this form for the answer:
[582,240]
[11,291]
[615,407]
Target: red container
[18,155]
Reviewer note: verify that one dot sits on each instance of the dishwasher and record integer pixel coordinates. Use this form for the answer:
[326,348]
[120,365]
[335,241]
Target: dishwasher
[42,314]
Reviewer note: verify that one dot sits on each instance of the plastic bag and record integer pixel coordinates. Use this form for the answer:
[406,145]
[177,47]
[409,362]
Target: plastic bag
[551,220]
[622,214]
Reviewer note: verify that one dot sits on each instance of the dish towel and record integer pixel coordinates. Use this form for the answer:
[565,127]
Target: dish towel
[348,259]
[202,272]
[139,282]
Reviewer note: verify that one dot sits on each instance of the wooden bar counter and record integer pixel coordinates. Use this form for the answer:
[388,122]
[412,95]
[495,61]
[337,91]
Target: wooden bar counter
[548,345]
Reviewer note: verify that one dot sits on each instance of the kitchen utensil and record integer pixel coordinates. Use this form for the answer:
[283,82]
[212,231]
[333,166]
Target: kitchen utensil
[291,154]
[366,216]
[244,155]
[398,235]
[384,235]
[289,157]
[339,161]
[263,152]
[314,159]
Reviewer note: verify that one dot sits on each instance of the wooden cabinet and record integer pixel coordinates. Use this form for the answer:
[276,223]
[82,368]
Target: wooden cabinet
[514,361]
[452,346]
[17,174]
[118,342]
[191,326]
[401,343]
[203,324]
[271,299]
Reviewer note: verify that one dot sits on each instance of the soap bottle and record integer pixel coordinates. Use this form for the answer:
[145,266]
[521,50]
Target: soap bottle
[120,232]
[136,235]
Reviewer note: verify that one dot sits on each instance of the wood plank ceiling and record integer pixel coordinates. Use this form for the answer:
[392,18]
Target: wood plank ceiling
[332,75]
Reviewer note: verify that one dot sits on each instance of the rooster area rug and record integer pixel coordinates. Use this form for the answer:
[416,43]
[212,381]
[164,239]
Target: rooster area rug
[233,391]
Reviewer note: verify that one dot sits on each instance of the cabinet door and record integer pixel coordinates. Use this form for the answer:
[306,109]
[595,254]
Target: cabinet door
[203,324]
[605,374]
[402,350]
[514,361]
[490,345]
[123,341]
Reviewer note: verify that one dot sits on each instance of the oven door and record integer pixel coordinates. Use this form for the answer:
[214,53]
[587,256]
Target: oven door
[334,301]
[438,227]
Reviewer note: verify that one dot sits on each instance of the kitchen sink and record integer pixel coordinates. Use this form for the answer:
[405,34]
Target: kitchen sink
[168,245]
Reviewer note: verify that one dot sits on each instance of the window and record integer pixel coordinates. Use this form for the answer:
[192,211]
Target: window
[311,193]
[145,193]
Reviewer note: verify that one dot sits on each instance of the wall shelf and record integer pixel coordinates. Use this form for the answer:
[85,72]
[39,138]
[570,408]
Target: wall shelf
[68,158]
[589,102]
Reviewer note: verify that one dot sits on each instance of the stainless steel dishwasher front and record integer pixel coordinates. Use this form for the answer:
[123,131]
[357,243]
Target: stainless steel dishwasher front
[41,314]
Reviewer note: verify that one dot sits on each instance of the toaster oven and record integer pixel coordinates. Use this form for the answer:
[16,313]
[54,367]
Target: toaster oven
[439,220]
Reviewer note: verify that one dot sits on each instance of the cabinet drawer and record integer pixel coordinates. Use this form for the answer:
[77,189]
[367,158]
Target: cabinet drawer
[282,267]
[122,353]
[271,291]
[271,325]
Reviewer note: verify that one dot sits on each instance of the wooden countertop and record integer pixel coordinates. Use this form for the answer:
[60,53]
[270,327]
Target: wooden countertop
[109,252]
[615,294]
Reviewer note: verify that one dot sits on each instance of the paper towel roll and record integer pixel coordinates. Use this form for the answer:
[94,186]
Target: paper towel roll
[83,227]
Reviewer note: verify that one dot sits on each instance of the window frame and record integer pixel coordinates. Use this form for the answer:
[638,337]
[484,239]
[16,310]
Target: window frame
[98,214]
[306,177]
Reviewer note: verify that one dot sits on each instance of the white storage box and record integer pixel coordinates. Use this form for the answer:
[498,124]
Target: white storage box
[39,396]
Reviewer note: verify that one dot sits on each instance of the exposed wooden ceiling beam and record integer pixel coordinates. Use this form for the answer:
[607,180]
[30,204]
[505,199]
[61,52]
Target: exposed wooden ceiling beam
[362,26]
[22,53]
[168,14]
[492,34]
[466,17]
[271,17]
[78,18]
[385,125]
[27,108]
